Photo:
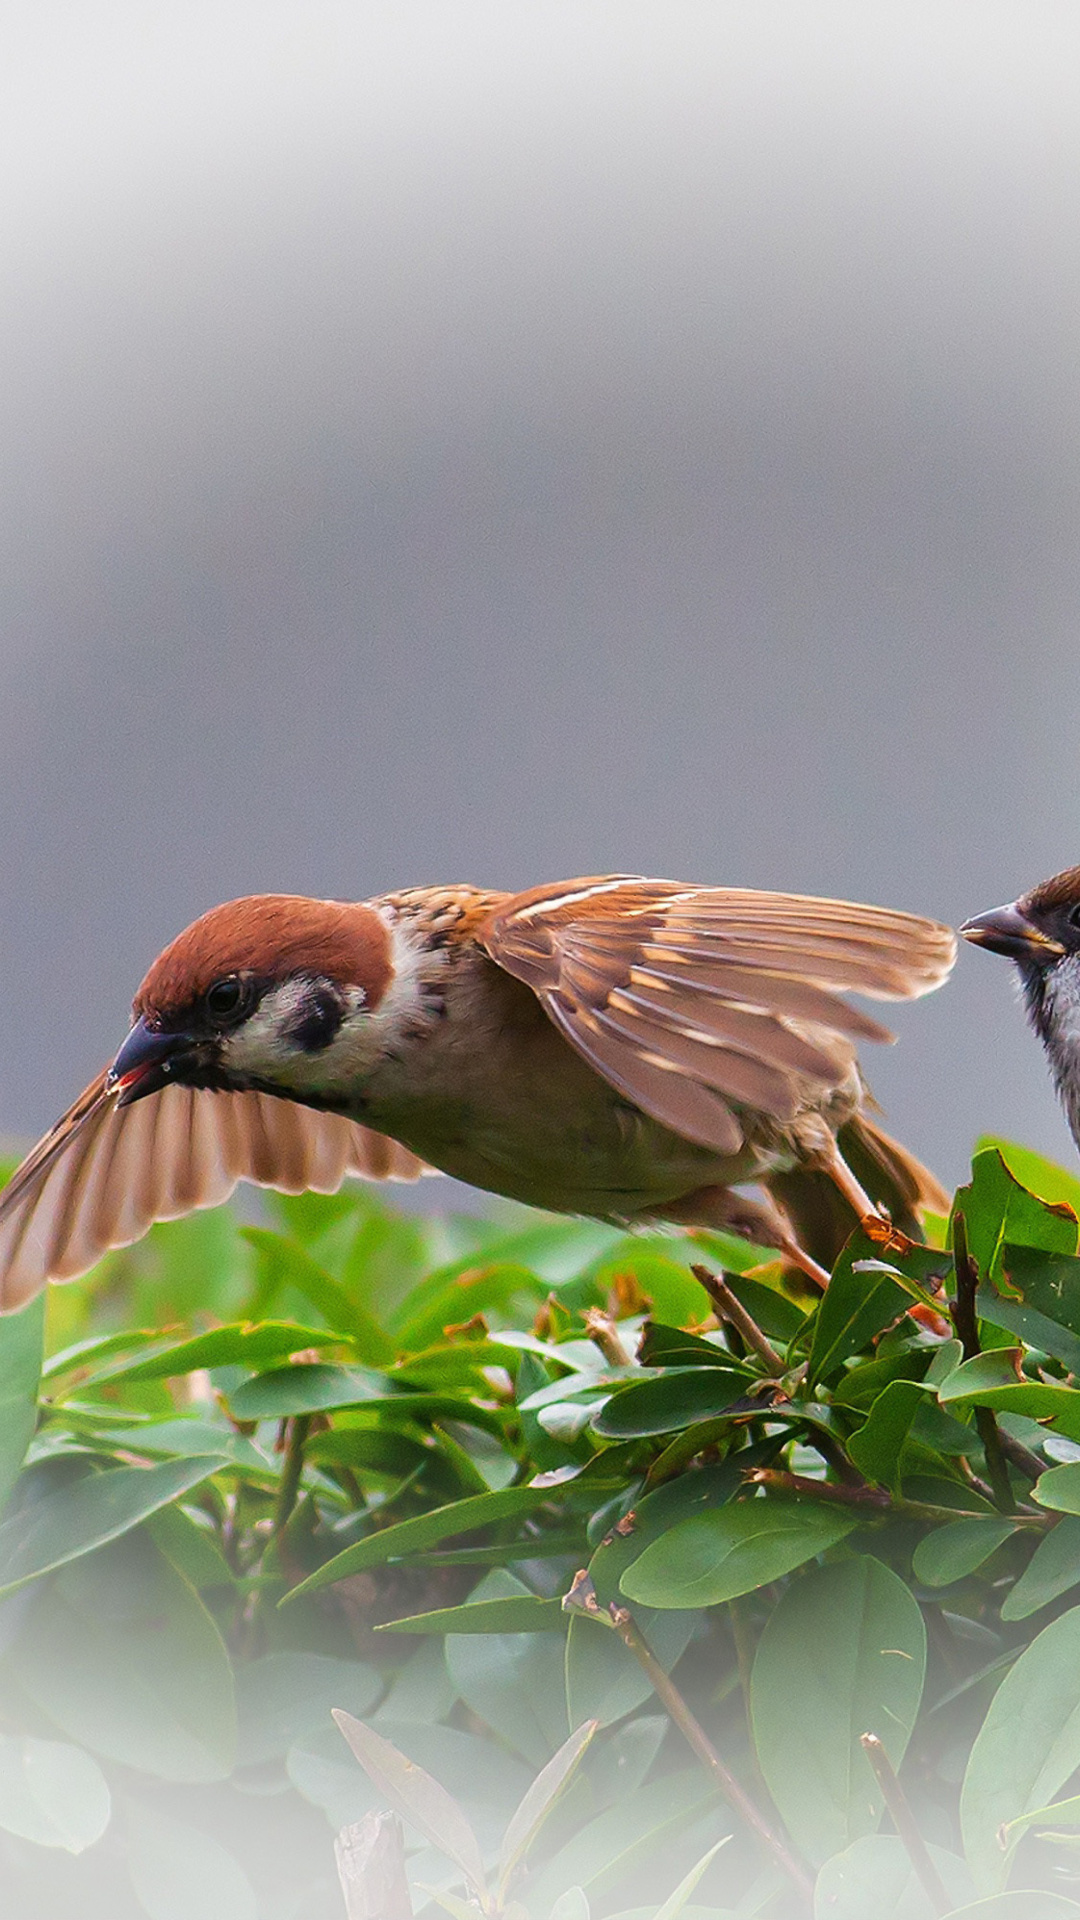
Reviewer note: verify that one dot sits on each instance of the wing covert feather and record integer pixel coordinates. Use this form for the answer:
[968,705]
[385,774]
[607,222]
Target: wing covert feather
[731,993]
[104,1173]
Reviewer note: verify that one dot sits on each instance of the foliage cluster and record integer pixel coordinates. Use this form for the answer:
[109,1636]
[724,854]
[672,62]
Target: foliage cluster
[537,1499]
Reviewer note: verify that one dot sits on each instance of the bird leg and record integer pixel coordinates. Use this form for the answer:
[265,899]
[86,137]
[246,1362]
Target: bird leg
[873,1220]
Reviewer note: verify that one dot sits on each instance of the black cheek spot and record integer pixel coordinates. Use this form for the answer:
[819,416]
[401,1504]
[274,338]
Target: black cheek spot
[319,1021]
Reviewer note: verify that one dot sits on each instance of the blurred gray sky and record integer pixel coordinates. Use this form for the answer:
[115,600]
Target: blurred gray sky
[502,442]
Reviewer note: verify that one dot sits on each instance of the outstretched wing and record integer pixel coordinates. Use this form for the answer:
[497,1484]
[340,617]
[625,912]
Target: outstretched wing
[105,1173]
[699,1002]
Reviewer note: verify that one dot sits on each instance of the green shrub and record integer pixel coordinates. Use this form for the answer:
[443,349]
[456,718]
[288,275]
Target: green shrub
[476,1487]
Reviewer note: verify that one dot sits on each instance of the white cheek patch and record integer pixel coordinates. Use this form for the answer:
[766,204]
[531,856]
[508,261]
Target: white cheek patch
[260,1046]
[265,1048]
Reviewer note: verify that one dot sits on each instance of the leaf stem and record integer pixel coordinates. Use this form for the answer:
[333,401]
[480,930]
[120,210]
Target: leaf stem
[694,1733]
[904,1821]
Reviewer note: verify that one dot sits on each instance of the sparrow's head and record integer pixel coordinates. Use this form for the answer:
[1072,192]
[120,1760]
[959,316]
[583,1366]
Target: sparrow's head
[276,992]
[1040,932]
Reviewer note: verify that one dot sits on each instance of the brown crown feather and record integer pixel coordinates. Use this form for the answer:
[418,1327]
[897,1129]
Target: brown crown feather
[271,935]
[1062,890]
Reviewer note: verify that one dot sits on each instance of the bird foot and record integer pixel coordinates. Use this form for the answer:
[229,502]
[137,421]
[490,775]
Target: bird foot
[879,1228]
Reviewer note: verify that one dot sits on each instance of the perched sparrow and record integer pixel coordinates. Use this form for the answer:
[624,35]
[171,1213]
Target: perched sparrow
[1041,932]
[629,1049]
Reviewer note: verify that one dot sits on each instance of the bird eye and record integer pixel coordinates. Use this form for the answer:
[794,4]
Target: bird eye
[1074,917]
[226,1000]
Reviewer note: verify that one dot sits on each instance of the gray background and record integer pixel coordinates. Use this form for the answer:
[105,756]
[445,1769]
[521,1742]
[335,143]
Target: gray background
[508,442]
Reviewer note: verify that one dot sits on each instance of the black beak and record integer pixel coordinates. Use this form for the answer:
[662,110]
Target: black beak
[1008,930]
[144,1062]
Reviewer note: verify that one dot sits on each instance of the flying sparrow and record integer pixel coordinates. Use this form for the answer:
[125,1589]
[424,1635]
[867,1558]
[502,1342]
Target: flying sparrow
[624,1048]
[1041,933]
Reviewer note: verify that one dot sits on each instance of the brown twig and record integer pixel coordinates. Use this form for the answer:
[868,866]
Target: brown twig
[965,1320]
[875,1502]
[371,1868]
[962,1309]
[1022,1457]
[604,1333]
[904,1821]
[694,1733]
[730,1308]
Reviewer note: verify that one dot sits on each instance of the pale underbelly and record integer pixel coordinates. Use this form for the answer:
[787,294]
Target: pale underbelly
[612,1164]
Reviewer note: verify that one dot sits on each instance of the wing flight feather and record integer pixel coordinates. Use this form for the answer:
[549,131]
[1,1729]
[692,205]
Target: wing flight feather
[105,1173]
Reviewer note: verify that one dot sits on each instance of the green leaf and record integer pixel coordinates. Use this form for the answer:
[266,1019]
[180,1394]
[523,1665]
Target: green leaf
[1036,1329]
[307,1388]
[241,1345]
[718,1555]
[989,1380]
[52,1794]
[186,1436]
[315,1388]
[450,1903]
[286,1695]
[525,1615]
[531,1812]
[323,1770]
[414,1536]
[1017,1906]
[83,1356]
[1039,1175]
[190,1547]
[843,1653]
[1063,1814]
[178,1870]
[672,1401]
[951,1552]
[571,1905]
[874,1876]
[623,1761]
[663,1346]
[997,1208]
[120,1652]
[854,1307]
[778,1317]
[1053,1569]
[513,1680]
[450,1296]
[691,1912]
[1059,1488]
[1026,1749]
[677,1900]
[877,1446]
[367,1450]
[625,1838]
[1046,1283]
[657,1512]
[78,1518]
[20,1368]
[419,1797]
[860,1386]
[288,1264]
